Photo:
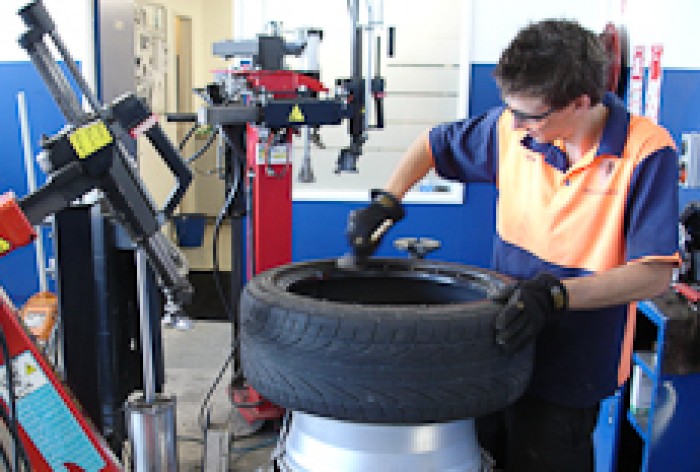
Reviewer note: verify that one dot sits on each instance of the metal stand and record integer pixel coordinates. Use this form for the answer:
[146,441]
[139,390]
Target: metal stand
[152,437]
[150,419]
[316,444]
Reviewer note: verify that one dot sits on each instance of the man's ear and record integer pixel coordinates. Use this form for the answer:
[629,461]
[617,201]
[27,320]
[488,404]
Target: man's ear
[582,102]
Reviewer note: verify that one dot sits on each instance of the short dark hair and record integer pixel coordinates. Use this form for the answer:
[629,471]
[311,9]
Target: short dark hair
[557,60]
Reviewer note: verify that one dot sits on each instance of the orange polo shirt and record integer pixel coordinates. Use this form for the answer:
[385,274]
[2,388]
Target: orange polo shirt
[618,204]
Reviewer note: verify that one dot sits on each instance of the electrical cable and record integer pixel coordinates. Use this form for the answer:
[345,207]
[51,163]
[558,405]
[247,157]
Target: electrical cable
[4,459]
[187,136]
[18,450]
[255,447]
[204,147]
[7,422]
[233,190]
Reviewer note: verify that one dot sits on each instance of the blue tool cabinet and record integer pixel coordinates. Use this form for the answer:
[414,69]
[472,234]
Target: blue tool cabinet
[670,359]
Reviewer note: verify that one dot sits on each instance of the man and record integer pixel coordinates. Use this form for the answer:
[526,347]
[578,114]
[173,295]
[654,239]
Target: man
[586,221]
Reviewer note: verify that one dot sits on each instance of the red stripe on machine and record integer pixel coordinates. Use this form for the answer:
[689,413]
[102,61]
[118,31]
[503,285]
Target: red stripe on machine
[144,126]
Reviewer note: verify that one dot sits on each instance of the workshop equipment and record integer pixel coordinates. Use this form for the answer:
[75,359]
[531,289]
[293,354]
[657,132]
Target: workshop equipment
[90,153]
[258,107]
[382,367]
[48,430]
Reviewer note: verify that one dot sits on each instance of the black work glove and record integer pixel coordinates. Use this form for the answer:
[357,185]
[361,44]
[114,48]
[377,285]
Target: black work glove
[527,307]
[366,226]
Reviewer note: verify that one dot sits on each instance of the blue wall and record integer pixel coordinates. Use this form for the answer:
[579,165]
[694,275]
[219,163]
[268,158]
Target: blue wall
[18,274]
[464,230]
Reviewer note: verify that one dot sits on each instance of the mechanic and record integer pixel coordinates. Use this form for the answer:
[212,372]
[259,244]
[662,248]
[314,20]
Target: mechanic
[586,221]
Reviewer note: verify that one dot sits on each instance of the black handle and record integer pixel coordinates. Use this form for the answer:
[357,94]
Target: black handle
[172,158]
[133,114]
[379,108]
[181,117]
[391,46]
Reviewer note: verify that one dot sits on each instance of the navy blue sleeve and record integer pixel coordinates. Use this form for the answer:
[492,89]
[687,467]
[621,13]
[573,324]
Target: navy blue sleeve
[651,217]
[467,150]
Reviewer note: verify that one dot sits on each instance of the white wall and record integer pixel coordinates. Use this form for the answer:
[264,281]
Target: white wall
[674,23]
[73,20]
[671,22]
[497,22]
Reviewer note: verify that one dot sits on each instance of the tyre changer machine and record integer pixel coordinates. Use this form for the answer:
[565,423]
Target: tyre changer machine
[47,430]
[257,111]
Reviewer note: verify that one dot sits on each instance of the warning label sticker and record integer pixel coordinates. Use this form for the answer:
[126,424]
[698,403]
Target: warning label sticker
[274,155]
[27,376]
[46,418]
[296,115]
[89,139]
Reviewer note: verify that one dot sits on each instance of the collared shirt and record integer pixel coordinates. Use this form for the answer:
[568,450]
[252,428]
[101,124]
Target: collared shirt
[617,204]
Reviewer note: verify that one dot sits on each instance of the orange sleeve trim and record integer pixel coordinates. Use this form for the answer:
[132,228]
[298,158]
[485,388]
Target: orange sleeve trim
[428,147]
[674,259]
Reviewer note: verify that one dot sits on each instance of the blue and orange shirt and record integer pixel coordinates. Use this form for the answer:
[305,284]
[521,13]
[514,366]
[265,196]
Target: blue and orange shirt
[616,205]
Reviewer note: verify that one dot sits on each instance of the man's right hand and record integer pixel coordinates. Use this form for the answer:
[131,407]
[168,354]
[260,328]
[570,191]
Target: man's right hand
[367,226]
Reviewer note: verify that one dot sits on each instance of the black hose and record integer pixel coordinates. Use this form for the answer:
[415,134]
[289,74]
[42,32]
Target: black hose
[187,137]
[4,459]
[204,148]
[233,190]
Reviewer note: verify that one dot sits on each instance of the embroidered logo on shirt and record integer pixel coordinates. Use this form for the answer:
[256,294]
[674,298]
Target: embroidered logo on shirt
[603,177]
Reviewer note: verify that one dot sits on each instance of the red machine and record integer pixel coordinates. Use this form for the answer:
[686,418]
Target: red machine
[258,108]
[53,434]
[269,161]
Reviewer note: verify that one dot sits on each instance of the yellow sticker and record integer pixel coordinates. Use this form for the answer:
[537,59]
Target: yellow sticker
[5,246]
[29,369]
[296,116]
[89,139]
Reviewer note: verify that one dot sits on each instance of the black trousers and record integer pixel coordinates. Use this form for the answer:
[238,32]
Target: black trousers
[534,435]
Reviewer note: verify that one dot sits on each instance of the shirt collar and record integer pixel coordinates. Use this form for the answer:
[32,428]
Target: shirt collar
[612,142]
[553,156]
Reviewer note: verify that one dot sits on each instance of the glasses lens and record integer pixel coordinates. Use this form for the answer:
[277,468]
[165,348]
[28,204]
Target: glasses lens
[521,115]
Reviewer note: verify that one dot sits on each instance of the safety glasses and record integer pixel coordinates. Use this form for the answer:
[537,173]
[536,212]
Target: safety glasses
[521,115]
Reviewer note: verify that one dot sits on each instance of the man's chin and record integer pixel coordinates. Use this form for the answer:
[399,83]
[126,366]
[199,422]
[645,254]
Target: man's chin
[541,139]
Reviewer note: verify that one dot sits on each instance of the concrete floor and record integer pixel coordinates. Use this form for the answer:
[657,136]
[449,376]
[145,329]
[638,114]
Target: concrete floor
[193,358]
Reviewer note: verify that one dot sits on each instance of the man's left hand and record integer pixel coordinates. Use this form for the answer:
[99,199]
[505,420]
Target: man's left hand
[527,307]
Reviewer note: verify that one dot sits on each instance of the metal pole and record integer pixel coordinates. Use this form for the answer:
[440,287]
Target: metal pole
[355,42]
[150,419]
[75,72]
[369,66]
[149,390]
[31,187]
[56,82]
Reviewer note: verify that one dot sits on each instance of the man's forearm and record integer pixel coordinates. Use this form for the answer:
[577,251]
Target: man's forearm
[413,166]
[631,282]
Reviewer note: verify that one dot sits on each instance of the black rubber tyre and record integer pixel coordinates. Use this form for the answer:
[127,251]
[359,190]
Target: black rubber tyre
[401,341]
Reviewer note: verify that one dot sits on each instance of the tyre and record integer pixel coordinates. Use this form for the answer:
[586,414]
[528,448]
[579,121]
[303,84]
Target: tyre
[400,341]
